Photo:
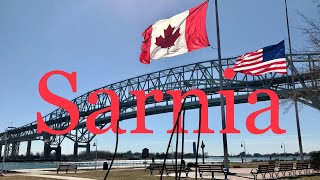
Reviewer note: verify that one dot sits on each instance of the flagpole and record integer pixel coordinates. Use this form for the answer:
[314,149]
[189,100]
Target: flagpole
[293,85]
[223,117]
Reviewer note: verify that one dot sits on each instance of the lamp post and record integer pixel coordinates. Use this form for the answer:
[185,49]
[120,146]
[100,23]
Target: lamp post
[202,147]
[171,152]
[6,137]
[284,150]
[95,144]
[243,144]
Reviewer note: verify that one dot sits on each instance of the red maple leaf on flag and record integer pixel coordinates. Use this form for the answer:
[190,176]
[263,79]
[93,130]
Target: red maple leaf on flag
[169,38]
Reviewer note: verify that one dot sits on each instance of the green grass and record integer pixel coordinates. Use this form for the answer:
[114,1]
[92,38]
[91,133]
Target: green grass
[119,174]
[140,174]
[18,177]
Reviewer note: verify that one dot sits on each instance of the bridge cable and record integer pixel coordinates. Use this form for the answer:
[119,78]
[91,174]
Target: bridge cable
[115,151]
[174,129]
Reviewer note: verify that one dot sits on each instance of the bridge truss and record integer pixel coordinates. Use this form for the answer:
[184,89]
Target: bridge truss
[200,75]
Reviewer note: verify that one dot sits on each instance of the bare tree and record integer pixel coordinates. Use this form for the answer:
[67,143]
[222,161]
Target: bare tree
[311,30]
[311,93]
[317,1]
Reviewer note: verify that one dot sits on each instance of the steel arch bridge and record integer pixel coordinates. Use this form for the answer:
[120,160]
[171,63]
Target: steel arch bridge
[200,75]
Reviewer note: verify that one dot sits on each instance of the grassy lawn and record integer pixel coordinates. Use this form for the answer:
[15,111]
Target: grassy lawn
[134,174]
[119,174]
[126,174]
[122,174]
[22,177]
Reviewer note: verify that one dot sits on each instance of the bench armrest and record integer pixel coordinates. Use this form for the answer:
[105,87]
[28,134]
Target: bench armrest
[225,170]
[254,171]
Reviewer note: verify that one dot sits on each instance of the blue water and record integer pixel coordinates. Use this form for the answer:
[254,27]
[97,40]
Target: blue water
[125,163]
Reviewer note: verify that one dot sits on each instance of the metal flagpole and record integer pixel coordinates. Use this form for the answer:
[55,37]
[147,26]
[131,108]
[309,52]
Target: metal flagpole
[294,86]
[223,116]
[4,152]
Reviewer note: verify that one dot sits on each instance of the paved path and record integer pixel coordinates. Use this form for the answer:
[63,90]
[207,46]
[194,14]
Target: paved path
[56,177]
[47,173]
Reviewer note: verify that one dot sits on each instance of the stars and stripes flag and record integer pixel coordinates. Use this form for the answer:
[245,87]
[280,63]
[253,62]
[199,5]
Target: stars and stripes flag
[265,60]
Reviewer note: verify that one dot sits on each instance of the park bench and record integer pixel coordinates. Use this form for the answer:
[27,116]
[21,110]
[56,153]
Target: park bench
[219,168]
[285,168]
[302,167]
[263,169]
[272,162]
[170,168]
[155,167]
[66,168]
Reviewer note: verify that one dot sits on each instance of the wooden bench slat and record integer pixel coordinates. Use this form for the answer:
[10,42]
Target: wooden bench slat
[302,165]
[169,168]
[286,167]
[264,169]
[212,168]
[66,168]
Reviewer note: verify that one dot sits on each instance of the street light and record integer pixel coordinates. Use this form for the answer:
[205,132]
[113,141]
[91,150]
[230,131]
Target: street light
[284,150]
[171,152]
[6,137]
[95,144]
[202,147]
[243,144]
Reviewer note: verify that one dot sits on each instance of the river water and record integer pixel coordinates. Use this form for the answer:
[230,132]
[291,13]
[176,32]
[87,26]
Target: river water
[126,163]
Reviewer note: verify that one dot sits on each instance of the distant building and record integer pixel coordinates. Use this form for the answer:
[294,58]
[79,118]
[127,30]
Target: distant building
[194,148]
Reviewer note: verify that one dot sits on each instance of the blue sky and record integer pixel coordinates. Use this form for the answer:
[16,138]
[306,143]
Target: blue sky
[100,40]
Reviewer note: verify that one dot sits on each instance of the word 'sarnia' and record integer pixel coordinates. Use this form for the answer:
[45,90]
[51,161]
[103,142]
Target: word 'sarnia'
[141,97]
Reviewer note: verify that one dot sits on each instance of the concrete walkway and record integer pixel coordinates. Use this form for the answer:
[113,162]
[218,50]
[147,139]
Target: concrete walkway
[47,173]
[56,177]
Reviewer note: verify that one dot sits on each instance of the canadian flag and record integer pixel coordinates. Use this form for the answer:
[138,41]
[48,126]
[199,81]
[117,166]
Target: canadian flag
[182,33]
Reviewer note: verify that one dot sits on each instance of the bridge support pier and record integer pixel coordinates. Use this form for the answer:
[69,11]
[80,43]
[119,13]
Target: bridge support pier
[29,148]
[75,150]
[58,153]
[48,149]
[15,149]
[77,146]
[88,150]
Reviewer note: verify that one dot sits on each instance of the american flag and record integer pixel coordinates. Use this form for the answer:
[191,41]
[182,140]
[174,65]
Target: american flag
[267,59]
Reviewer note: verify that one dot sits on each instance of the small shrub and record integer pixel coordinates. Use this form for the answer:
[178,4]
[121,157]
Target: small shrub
[315,159]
